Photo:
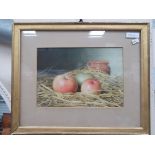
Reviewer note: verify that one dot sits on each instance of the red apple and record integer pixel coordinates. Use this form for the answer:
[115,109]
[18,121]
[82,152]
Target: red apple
[91,86]
[65,84]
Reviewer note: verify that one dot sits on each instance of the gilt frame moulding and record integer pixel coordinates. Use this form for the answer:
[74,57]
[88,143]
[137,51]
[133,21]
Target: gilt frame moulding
[21,124]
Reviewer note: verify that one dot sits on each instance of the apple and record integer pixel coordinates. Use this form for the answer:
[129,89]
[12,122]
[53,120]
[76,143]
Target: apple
[81,77]
[65,84]
[91,86]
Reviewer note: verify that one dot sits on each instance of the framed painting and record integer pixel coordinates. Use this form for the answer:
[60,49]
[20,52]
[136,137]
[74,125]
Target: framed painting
[81,78]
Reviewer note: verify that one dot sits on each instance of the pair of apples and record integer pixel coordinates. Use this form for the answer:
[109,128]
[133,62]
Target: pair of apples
[66,83]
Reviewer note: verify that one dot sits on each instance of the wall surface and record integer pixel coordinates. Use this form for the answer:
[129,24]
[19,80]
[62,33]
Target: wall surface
[152,77]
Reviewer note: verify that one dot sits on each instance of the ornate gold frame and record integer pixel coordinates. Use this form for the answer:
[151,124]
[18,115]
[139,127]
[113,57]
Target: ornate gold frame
[145,88]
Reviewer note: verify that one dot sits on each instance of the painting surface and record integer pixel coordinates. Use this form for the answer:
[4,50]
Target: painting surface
[73,77]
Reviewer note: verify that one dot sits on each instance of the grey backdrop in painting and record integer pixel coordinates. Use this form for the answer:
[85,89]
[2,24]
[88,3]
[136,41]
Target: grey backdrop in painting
[72,58]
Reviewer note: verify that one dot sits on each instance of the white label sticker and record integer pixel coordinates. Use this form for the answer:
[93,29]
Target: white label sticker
[135,41]
[132,35]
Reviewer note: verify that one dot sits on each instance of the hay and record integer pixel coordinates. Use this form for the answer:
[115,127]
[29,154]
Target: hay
[111,94]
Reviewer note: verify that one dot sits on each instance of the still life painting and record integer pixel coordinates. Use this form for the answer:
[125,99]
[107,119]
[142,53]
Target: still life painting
[80,77]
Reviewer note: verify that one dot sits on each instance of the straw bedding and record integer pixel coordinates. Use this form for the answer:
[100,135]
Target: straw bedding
[111,94]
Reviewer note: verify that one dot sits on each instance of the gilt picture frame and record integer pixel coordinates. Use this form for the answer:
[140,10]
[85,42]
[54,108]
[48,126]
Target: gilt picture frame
[80,78]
